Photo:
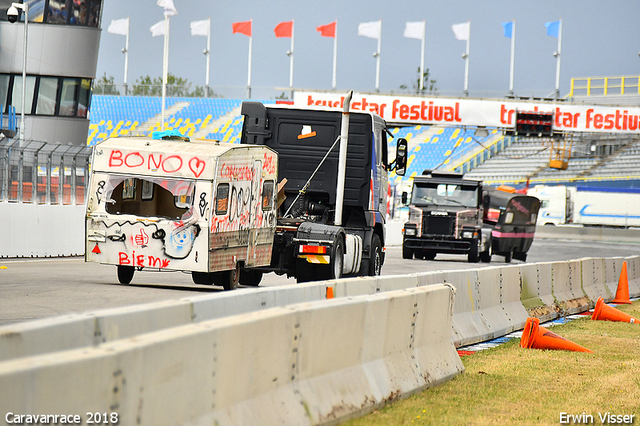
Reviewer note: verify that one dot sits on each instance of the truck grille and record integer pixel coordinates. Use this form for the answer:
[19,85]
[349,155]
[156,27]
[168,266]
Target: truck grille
[438,225]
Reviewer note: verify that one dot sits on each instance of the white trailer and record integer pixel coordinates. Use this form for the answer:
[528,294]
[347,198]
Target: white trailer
[590,206]
[607,206]
[204,207]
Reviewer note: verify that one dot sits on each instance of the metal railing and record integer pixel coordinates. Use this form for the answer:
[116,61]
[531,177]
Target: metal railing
[43,173]
[605,86]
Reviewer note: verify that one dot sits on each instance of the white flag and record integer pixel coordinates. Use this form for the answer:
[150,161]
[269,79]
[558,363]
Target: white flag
[200,28]
[414,30]
[119,26]
[157,29]
[370,29]
[461,31]
[169,8]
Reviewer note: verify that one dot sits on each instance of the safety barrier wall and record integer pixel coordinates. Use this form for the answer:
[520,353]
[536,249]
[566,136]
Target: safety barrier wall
[490,302]
[633,271]
[336,359]
[31,230]
[593,280]
[314,363]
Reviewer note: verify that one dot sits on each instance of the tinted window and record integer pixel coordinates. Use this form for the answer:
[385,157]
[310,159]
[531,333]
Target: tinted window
[68,97]
[47,92]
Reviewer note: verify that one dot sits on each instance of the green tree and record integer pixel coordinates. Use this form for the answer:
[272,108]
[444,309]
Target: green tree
[176,86]
[429,85]
[105,86]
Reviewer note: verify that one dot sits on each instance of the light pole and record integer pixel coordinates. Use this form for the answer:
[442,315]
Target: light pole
[12,16]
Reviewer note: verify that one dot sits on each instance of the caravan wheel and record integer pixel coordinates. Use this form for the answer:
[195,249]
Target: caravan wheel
[125,274]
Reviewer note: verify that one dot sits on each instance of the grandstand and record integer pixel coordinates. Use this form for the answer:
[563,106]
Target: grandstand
[487,154]
[209,118]
[596,161]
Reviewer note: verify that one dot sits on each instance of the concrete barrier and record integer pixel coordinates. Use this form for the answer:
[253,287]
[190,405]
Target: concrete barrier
[612,270]
[593,281]
[41,230]
[313,363]
[90,329]
[537,292]
[633,272]
[510,302]
[567,287]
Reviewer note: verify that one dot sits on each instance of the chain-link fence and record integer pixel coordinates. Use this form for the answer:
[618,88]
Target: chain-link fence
[43,173]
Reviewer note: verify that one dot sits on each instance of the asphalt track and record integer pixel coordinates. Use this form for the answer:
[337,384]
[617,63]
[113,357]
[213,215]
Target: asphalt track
[40,288]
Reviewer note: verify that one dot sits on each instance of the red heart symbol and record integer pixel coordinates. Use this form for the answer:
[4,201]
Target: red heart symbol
[197,166]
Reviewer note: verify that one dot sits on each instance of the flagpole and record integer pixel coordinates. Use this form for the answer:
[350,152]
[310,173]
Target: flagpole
[466,64]
[207,54]
[126,57]
[424,26]
[513,54]
[291,60]
[249,71]
[335,56]
[557,55]
[377,55]
[165,64]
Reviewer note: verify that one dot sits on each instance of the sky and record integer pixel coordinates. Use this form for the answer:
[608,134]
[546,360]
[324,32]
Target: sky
[599,39]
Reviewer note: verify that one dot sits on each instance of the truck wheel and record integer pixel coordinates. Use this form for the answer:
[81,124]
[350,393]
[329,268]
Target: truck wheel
[125,274]
[429,255]
[250,277]
[337,259]
[473,252]
[375,258]
[407,253]
[485,256]
[202,278]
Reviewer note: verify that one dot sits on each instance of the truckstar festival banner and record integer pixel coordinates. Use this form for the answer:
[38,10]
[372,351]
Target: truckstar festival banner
[413,110]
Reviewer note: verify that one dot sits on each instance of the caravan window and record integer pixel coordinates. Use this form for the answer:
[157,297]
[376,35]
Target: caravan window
[267,195]
[149,197]
[222,199]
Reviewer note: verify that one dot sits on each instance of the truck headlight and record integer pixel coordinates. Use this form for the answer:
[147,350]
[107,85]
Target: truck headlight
[467,234]
[410,231]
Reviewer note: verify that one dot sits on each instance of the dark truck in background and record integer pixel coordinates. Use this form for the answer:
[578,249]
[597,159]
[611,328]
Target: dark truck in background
[311,243]
[451,214]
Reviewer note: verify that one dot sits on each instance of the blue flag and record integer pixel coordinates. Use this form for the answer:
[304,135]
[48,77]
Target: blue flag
[553,28]
[508,29]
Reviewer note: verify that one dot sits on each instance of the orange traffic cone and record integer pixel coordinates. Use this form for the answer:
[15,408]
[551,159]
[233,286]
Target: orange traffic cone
[604,312]
[622,294]
[537,337]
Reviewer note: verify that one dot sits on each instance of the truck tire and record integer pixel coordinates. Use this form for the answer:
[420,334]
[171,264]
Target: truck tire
[375,256]
[407,253]
[125,274]
[473,256]
[250,277]
[337,259]
[429,255]
[485,256]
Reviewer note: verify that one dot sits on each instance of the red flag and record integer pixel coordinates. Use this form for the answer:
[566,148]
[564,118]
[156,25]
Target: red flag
[328,30]
[284,29]
[242,28]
